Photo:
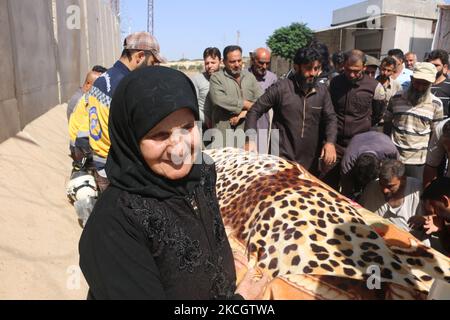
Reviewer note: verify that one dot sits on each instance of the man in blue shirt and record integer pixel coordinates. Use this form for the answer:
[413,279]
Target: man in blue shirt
[402,74]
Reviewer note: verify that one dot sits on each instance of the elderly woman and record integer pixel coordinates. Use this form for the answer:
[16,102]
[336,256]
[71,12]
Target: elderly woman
[156,232]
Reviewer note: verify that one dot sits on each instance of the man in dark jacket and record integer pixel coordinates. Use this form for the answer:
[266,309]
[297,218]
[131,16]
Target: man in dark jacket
[300,106]
[358,99]
[359,103]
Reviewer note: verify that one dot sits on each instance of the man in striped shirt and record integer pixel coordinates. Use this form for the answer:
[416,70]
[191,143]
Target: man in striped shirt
[441,88]
[411,118]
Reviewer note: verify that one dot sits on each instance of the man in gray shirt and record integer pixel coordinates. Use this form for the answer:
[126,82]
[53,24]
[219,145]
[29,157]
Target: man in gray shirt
[212,59]
[233,92]
[260,63]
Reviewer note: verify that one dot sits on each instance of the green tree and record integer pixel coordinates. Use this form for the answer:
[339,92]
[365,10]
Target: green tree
[285,42]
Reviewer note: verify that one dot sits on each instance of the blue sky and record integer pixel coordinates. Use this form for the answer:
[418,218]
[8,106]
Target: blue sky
[184,28]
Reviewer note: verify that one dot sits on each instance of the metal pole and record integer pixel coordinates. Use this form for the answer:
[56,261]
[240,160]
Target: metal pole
[150,17]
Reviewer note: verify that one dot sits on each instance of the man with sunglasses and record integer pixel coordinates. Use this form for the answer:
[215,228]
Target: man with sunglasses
[260,59]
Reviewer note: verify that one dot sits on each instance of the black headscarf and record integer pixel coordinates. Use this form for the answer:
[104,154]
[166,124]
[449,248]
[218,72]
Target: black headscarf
[143,99]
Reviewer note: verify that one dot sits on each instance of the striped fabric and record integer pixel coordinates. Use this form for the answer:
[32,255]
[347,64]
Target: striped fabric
[413,125]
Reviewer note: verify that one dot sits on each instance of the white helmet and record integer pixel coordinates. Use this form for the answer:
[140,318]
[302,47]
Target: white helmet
[81,186]
[82,190]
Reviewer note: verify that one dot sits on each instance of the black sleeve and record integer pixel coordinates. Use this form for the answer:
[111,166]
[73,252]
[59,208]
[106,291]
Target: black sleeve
[116,262]
[378,111]
[266,102]
[330,119]
[388,117]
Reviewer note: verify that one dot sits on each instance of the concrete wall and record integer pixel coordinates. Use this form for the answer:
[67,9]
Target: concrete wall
[9,110]
[354,12]
[389,24]
[414,35]
[43,60]
[406,33]
[442,40]
[426,9]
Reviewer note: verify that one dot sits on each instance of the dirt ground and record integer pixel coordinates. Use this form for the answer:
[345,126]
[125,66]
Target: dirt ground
[39,231]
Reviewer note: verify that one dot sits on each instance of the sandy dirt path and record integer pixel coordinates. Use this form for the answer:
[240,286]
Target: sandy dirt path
[39,231]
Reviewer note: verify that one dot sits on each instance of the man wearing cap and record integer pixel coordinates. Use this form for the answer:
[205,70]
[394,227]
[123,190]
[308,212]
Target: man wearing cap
[372,66]
[411,117]
[141,49]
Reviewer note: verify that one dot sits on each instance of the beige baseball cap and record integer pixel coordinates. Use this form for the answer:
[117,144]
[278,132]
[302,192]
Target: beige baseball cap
[425,71]
[372,61]
[146,42]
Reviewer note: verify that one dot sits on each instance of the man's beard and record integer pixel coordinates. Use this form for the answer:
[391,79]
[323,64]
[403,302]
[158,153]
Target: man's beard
[416,97]
[304,84]
[439,74]
[383,78]
[260,72]
[234,73]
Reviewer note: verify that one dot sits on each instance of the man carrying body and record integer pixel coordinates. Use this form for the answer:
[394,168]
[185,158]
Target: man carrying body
[411,117]
[260,64]
[212,59]
[140,50]
[300,95]
[233,92]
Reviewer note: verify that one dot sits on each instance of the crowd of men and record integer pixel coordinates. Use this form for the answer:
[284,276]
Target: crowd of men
[377,131]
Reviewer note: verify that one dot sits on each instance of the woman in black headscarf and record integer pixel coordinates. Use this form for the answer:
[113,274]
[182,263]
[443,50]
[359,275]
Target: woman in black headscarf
[156,232]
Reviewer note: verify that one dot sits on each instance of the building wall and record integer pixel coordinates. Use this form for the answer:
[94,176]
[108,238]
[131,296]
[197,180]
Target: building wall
[389,25]
[43,61]
[442,40]
[414,35]
[426,9]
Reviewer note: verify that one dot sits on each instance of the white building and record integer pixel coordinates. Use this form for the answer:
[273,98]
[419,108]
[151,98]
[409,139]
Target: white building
[376,26]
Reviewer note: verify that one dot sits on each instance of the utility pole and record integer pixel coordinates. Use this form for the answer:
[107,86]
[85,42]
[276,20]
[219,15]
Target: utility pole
[238,37]
[150,17]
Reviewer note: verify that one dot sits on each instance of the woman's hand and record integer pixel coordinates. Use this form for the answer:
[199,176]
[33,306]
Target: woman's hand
[253,285]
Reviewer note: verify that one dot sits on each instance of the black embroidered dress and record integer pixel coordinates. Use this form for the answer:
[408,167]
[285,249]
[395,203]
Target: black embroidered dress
[149,237]
[141,248]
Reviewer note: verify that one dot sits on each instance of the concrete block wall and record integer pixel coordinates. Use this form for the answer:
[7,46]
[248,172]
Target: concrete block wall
[43,61]
[9,109]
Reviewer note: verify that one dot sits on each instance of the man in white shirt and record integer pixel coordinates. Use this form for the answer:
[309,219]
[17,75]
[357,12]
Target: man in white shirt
[396,198]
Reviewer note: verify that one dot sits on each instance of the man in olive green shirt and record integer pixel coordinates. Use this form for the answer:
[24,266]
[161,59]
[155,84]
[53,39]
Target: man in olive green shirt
[233,91]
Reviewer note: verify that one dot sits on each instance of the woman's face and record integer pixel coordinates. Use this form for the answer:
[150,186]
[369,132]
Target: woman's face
[171,147]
